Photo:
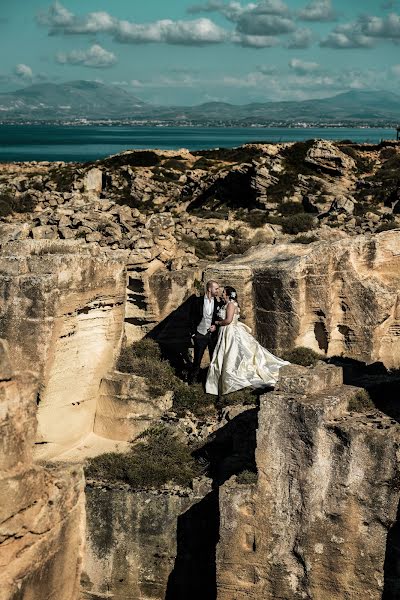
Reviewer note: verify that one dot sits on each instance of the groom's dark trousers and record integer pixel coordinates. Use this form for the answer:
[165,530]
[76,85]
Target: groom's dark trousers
[201,342]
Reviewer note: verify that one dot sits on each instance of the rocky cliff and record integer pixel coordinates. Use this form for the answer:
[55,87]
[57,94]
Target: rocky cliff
[300,501]
[42,516]
[339,298]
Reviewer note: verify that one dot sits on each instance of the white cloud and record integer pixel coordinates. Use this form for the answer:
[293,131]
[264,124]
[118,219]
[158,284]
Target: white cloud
[348,35]
[301,38]
[96,57]
[381,27]
[192,33]
[318,10]
[264,24]
[23,72]
[234,10]
[395,70]
[301,66]
[254,41]
[195,32]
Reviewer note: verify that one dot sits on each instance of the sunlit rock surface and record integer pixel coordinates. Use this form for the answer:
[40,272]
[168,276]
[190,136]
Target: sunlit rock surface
[321,520]
[62,314]
[42,513]
[338,298]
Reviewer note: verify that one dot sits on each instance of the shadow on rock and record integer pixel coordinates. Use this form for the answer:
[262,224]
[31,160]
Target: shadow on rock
[391,589]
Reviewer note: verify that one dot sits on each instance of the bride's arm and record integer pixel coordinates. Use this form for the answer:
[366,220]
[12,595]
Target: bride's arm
[230,311]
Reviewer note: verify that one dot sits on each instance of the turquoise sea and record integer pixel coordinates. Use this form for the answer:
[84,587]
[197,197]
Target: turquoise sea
[83,143]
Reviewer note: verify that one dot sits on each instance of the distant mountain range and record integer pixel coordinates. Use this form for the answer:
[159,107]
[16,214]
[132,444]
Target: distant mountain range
[91,100]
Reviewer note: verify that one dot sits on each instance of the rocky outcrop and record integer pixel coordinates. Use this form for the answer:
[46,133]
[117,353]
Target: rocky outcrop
[321,520]
[133,540]
[63,316]
[337,298]
[125,408]
[42,516]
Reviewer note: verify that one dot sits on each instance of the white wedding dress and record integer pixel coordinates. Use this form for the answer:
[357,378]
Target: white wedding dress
[239,361]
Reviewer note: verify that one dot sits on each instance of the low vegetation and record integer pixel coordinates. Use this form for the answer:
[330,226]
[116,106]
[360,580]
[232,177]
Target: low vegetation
[297,223]
[144,358]
[303,356]
[157,459]
[9,203]
[246,477]
[361,401]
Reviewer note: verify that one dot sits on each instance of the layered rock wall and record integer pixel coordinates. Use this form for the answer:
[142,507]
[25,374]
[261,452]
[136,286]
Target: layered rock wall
[63,315]
[42,515]
[132,541]
[321,521]
[337,298]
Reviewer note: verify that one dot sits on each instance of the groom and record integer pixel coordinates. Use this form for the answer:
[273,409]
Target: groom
[203,328]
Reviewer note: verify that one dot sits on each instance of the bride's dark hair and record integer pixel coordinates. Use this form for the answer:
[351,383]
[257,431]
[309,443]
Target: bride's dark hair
[231,293]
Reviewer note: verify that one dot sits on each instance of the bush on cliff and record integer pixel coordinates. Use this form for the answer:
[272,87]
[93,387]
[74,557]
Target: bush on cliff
[303,356]
[361,401]
[144,358]
[192,398]
[297,223]
[21,204]
[157,459]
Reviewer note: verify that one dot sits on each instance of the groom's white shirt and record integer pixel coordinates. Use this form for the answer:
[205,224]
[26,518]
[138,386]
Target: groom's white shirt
[208,309]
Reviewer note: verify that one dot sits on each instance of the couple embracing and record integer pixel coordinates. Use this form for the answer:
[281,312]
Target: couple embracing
[237,359]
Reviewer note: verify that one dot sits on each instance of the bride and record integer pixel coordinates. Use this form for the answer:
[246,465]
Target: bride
[239,360]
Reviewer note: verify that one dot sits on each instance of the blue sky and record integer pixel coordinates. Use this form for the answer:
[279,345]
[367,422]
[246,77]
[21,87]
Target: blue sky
[193,51]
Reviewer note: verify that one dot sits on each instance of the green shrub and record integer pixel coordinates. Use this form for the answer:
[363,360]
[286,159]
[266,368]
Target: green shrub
[361,401]
[157,459]
[304,239]
[25,203]
[256,219]
[159,375]
[236,246]
[5,206]
[191,398]
[303,356]
[136,158]
[246,477]
[177,164]
[202,248]
[64,178]
[9,203]
[291,208]
[297,223]
[387,227]
[246,396]
[203,213]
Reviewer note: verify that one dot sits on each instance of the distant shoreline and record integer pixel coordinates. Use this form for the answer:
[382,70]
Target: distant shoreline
[92,141]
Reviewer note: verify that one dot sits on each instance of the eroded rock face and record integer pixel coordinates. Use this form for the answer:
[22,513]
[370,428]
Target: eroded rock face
[63,316]
[338,298]
[125,408]
[42,508]
[132,541]
[320,522]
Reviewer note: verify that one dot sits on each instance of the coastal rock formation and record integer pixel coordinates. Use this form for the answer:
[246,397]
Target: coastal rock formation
[125,408]
[132,540]
[42,516]
[63,316]
[337,298]
[321,520]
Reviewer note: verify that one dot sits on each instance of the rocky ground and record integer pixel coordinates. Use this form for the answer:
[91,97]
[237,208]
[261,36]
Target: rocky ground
[181,207]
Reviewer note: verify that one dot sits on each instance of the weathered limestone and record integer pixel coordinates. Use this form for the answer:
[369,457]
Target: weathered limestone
[42,515]
[132,540]
[318,524]
[339,298]
[124,407]
[63,315]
